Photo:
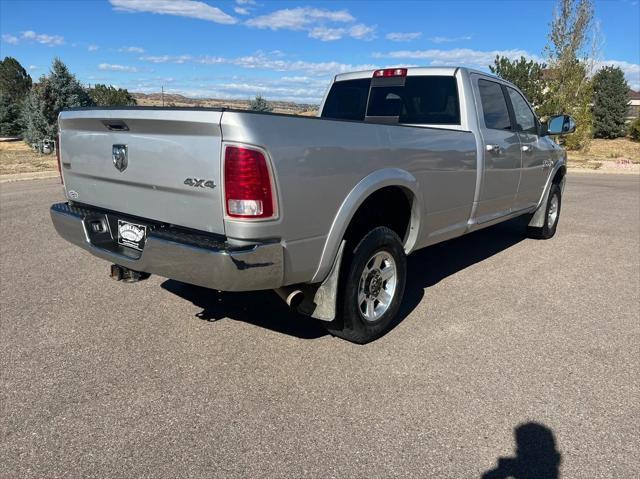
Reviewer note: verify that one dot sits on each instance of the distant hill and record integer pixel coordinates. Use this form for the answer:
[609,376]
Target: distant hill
[170,99]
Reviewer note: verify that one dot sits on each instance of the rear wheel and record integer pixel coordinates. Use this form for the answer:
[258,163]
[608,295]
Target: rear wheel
[551,217]
[372,285]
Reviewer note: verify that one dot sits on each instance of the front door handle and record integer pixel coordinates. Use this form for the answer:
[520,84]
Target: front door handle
[525,148]
[493,149]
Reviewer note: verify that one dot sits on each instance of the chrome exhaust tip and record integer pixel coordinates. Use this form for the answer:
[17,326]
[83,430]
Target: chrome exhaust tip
[292,296]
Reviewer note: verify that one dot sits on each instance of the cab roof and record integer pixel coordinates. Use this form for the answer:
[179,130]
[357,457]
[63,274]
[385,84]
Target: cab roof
[411,71]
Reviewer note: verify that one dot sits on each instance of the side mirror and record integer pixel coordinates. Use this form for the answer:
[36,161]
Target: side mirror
[560,125]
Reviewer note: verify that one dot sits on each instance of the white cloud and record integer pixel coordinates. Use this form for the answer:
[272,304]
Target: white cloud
[131,49]
[11,39]
[253,87]
[42,38]
[180,8]
[457,56]
[450,39]
[299,18]
[93,48]
[34,67]
[167,58]
[403,37]
[262,61]
[242,88]
[301,80]
[362,32]
[319,23]
[110,67]
[359,32]
[327,34]
[244,7]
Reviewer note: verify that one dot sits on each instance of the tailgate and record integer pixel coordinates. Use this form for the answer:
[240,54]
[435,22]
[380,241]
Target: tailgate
[167,153]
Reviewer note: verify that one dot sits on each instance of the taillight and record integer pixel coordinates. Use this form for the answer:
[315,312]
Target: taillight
[58,158]
[390,72]
[247,184]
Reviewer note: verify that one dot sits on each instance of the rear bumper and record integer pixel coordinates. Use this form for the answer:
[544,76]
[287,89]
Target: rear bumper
[182,255]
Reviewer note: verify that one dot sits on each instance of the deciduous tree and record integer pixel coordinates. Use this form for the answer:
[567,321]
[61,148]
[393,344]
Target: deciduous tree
[570,89]
[525,74]
[103,95]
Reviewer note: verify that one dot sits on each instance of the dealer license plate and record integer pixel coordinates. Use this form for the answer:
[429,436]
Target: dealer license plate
[131,235]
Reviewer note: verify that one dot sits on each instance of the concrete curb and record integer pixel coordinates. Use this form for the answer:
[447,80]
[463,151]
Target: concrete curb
[35,175]
[589,171]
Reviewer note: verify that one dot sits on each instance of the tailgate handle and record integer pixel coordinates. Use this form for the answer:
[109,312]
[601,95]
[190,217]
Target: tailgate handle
[115,125]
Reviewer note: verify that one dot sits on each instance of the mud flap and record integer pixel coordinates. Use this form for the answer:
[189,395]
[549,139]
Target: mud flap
[321,301]
[539,217]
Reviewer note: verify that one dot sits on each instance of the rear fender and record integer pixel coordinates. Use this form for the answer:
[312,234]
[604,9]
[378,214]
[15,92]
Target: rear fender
[368,185]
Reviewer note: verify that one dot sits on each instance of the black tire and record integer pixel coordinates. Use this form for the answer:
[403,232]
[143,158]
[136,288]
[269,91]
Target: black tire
[548,230]
[351,323]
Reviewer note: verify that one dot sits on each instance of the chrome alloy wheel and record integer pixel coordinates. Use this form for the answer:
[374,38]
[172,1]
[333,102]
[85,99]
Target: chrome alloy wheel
[552,214]
[377,285]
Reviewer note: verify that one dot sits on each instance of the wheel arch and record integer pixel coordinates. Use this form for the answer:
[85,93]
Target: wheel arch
[367,187]
[557,176]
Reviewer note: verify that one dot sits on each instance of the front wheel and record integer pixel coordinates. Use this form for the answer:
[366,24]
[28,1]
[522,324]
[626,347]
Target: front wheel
[551,217]
[372,281]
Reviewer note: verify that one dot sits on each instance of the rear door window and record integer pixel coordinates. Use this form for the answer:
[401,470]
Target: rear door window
[494,105]
[347,100]
[525,118]
[423,100]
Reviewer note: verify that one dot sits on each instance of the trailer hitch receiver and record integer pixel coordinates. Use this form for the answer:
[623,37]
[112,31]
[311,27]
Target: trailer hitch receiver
[120,273]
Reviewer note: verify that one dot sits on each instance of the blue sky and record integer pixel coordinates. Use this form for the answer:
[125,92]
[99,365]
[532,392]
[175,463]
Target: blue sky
[285,50]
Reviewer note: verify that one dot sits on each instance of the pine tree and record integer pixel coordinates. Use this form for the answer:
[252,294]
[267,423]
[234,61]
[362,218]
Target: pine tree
[610,103]
[33,117]
[260,104]
[53,93]
[15,83]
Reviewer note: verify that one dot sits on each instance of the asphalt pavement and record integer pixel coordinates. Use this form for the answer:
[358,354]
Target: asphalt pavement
[513,354]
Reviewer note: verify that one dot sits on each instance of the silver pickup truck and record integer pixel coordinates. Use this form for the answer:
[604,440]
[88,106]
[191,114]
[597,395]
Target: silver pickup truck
[323,210]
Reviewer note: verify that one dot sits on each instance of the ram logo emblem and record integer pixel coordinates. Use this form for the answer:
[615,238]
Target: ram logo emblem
[119,156]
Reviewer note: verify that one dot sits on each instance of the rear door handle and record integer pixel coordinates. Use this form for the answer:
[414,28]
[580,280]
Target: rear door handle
[525,148]
[493,149]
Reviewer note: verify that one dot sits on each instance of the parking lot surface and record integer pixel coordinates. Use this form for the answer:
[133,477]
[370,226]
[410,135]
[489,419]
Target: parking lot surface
[513,354]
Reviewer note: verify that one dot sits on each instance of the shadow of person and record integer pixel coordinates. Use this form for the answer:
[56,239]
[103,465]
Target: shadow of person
[261,308]
[536,455]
